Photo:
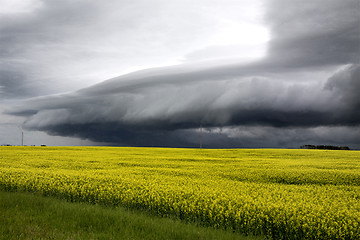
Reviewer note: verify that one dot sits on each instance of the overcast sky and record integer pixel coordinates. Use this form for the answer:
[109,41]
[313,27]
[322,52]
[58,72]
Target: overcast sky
[264,73]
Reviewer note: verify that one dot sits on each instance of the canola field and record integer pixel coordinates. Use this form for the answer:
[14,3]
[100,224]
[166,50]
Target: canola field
[277,193]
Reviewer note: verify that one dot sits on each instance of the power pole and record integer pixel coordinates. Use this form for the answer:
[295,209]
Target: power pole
[200,136]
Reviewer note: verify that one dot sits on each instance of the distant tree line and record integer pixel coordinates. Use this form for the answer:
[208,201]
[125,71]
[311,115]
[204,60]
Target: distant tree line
[9,145]
[328,147]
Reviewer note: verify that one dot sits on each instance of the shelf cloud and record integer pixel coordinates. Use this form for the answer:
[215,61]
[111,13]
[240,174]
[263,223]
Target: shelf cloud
[150,110]
[303,91]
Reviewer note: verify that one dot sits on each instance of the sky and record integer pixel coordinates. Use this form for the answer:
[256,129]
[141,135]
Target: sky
[251,73]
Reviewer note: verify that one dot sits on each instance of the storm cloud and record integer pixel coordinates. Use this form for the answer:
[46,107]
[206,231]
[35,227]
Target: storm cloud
[314,33]
[304,91]
[158,113]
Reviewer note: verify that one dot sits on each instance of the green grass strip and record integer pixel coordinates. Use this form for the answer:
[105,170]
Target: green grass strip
[31,216]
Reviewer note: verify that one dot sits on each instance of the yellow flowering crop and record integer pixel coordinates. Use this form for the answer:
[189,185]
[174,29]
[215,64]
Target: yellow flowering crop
[283,194]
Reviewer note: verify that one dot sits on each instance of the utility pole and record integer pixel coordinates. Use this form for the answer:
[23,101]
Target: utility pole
[200,136]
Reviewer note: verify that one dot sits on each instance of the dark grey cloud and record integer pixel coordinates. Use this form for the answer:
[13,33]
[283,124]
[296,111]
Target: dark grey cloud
[11,84]
[304,91]
[313,33]
[44,50]
[272,137]
[66,45]
[163,114]
[26,42]
[346,85]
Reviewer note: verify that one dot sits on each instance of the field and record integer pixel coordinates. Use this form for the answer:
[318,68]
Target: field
[280,194]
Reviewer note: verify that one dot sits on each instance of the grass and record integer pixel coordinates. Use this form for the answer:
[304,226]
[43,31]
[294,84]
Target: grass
[31,216]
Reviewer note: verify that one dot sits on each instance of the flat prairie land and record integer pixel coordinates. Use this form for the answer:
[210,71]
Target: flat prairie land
[276,193]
